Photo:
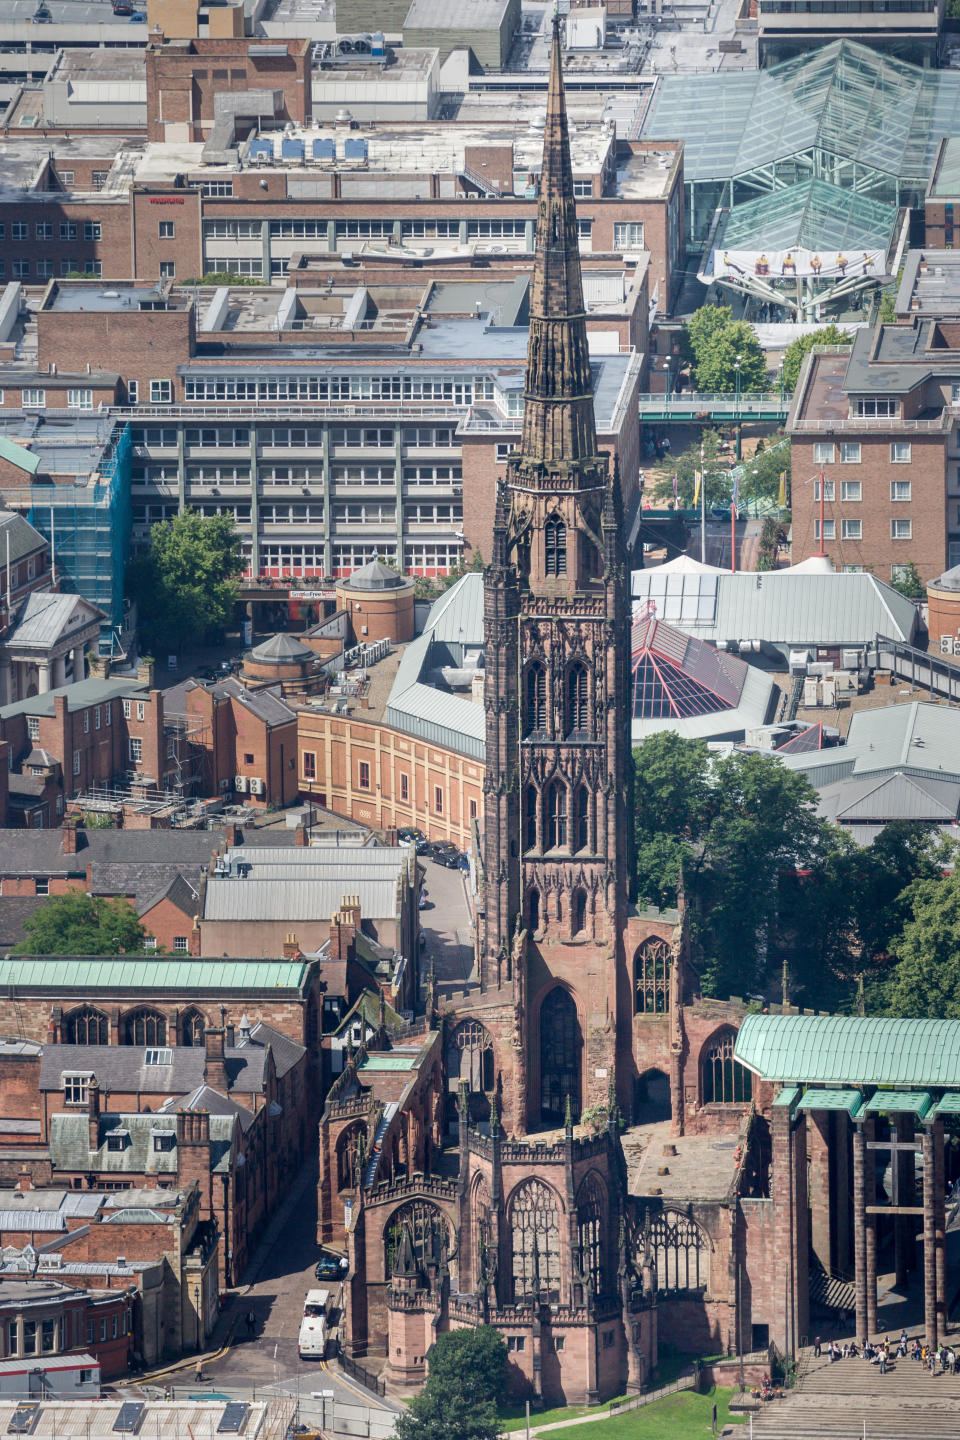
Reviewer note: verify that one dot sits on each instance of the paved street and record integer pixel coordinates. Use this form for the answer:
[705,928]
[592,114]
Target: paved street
[447,926]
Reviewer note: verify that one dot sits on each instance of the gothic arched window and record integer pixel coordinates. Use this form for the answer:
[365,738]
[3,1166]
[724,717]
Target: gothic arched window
[581,819]
[590,1232]
[557,816]
[192,1026]
[535,1241]
[579,911]
[470,1055]
[536,698]
[555,546]
[723,1080]
[347,1148]
[531,804]
[560,1048]
[533,910]
[681,1252]
[428,1229]
[651,977]
[578,707]
[87,1026]
[145,1027]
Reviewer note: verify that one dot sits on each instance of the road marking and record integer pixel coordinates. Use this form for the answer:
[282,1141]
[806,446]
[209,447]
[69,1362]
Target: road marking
[275,1348]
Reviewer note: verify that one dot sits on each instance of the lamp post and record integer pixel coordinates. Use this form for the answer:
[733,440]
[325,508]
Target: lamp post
[780,380]
[196,1301]
[736,376]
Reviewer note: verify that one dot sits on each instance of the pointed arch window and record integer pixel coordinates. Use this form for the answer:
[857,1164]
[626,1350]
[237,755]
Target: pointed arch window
[724,1081]
[145,1027]
[557,816]
[533,910]
[192,1026]
[578,697]
[651,977]
[579,911]
[536,697]
[531,804]
[87,1026]
[555,546]
[590,1233]
[681,1252]
[535,1241]
[581,819]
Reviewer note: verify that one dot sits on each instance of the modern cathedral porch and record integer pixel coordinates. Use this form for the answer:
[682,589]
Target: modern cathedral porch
[861,1126]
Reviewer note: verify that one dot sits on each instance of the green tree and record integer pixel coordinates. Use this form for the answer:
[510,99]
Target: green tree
[773,538]
[467,1381]
[760,476]
[78,924]
[184,583]
[909,583]
[715,342]
[685,467]
[926,980]
[795,354]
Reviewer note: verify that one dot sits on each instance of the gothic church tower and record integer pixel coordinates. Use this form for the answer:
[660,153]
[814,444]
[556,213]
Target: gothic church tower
[558,779]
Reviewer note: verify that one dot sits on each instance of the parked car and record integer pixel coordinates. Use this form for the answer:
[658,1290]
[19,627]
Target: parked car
[327,1268]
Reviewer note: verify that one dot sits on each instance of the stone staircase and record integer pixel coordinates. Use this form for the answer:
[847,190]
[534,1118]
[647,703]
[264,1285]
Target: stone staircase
[850,1400]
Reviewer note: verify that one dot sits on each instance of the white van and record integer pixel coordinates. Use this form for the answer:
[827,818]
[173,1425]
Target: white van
[312,1340]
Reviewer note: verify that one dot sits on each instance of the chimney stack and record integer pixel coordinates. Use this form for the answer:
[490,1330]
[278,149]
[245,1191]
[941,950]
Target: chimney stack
[300,836]
[215,1065]
[93,1113]
[342,936]
[291,949]
[68,835]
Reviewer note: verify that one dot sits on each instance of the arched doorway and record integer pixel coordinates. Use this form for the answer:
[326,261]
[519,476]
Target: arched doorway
[651,1098]
[561,1045]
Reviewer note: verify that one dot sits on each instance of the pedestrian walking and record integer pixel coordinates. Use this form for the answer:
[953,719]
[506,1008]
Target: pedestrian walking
[817,1348]
[251,1322]
[883,1362]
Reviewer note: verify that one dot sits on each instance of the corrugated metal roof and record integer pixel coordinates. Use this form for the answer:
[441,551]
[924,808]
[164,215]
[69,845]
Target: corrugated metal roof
[32,1220]
[81,972]
[793,610]
[920,737]
[284,899]
[850,1050]
[384,858]
[458,614]
[898,797]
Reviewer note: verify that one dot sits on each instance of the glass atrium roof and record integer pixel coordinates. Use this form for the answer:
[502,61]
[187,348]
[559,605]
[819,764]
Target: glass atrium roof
[675,675]
[812,216]
[844,100]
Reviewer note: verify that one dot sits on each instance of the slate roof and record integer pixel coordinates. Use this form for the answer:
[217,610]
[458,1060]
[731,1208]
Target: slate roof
[204,1098]
[286,1052]
[280,649]
[123,1067]
[70,1144]
[24,539]
[40,852]
[179,892]
[14,910]
[267,704]
[44,616]
[850,1050]
[79,697]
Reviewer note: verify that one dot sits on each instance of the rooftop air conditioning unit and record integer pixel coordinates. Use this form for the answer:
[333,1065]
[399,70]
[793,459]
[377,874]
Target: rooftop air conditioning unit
[240,783]
[256,785]
[224,785]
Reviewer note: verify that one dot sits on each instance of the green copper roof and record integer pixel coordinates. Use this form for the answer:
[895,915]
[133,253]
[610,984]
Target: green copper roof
[899,1102]
[848,1100]
[787,1097]
[387,1062]
[127,972]
[948,1105]
[18,455]
[848,1050]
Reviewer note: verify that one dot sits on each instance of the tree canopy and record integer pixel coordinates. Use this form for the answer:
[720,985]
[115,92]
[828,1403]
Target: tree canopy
[926,976]
[795,354]
[770,883]
[908,582]
[79,924]
[184,583]
[466,1382]
[715,343]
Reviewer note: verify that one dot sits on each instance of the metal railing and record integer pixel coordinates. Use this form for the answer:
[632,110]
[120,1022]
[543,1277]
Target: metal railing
[313,410]
[364,1377]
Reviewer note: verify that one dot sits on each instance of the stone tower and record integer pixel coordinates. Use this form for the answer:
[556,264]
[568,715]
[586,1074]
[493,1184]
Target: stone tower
[558,776]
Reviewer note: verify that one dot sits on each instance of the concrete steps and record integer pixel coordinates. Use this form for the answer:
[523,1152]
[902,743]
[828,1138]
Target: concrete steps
[850,1399]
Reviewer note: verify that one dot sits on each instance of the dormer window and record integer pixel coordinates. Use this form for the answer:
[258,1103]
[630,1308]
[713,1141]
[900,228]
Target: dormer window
[76,1086]
[117,1140]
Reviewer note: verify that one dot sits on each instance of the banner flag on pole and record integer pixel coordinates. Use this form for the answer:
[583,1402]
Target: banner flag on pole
[696,487]
[782,496]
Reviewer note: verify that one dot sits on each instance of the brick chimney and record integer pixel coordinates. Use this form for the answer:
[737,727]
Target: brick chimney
[291,948]
[24,1178]
[93,1113]
[68,834]
[233,835]
[343,935]
[350,905]
[193,1150]
[215,1065]
[300,836]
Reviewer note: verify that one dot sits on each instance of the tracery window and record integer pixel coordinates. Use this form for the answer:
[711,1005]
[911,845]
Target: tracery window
[145,1027]
[347,1149]
[578,708]
[581,819]
[535,1241]
[557,816]
[681,1252]
[560,1047]
[536,698]
[590,1203]
[192,1026]
[651,977]
[531,802]
[724,1081]
[470,1055]
[555,547]
[429,1233]
[87,1026]
[533,910]
[579,911]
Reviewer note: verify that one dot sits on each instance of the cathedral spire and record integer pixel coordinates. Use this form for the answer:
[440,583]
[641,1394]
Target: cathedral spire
[558,420]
